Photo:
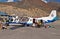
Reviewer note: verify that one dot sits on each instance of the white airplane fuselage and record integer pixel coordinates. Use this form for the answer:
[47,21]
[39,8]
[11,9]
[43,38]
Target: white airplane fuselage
[51,18]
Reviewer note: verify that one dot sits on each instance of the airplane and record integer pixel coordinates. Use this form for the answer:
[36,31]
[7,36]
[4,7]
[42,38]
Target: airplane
[51,18]
[14,20]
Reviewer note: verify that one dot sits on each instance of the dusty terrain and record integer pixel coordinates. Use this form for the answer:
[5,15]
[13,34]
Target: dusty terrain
[32,33]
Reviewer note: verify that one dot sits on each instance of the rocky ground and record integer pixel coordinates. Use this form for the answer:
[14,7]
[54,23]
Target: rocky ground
[32,33]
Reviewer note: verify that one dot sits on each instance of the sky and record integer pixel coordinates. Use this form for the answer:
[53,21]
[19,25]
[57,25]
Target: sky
[51,1]
[21,0]
[9,0]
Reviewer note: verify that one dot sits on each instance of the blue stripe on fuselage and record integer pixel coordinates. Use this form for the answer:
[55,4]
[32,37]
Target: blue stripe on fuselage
[48,21]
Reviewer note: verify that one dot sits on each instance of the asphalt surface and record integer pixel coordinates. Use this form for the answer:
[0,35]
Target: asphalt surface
[14,32]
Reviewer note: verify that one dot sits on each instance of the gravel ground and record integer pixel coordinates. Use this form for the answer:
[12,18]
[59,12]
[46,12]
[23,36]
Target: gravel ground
[31,33]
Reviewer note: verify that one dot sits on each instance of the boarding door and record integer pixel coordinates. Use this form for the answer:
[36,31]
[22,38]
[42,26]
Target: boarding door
[33,20]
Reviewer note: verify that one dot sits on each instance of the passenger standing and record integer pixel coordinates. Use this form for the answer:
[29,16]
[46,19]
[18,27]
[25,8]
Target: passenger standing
[33,22]
[40,23]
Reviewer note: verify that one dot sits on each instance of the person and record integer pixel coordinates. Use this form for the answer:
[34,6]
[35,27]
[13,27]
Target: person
[40,23]
[4,24]
[34,23]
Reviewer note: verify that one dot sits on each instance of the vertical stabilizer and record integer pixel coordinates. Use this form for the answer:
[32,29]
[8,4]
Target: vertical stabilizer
[53,13]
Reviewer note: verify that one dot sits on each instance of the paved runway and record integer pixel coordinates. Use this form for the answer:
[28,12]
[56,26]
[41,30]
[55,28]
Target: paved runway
[32,33]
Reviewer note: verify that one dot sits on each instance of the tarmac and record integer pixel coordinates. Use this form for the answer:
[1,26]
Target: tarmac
[17,32]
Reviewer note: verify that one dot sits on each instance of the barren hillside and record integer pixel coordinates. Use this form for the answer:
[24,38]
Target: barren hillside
[22,12]
[54,5]
[30,4]
[33,8]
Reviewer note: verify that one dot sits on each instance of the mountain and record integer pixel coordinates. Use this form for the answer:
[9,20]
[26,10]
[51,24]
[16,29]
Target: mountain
[34,8]
[54,5]
[29,4]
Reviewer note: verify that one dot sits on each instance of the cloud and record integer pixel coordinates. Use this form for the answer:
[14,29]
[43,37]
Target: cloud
[13,0]
[10,1]
[45,1]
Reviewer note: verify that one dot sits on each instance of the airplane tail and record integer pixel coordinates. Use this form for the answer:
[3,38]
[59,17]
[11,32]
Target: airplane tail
[53,14]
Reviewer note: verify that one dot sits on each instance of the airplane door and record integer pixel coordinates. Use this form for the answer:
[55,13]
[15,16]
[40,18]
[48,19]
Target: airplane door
[33,20]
